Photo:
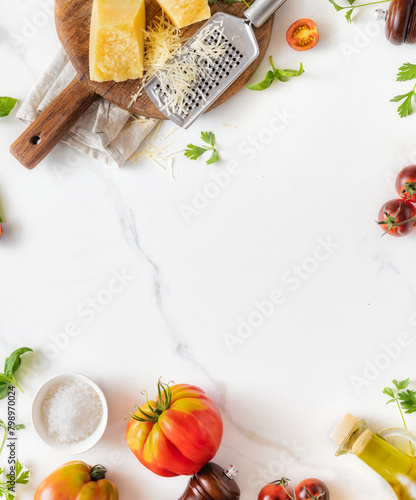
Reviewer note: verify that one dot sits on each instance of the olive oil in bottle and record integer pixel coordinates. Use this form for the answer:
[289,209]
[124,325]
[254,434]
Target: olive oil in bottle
[397,468]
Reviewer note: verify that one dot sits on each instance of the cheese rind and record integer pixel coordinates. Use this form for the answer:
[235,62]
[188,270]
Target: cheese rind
[116,40]
[185,12]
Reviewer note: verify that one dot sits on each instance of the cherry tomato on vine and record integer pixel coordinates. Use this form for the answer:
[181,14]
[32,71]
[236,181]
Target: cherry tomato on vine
[311,489]
[302,35]
[396,217]
[406,183]
[275,491]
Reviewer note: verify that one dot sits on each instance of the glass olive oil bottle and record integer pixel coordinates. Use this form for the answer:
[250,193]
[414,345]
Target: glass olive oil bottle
[397,468]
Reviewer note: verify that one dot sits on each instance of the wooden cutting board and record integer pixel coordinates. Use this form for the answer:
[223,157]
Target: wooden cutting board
[72,18]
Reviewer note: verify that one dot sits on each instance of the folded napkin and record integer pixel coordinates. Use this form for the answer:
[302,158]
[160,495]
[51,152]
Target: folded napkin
[104,131]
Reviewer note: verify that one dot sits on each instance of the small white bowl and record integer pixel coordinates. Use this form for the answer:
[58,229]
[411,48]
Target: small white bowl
[39,427]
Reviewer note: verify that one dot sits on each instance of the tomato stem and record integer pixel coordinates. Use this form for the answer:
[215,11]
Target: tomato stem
[163,403]
[97,472]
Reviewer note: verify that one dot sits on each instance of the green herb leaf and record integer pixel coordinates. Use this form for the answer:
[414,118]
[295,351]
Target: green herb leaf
[351,10]
[4,379]
[406,72]
[290,73]
[280,74]
[6,105]
[265,84]
[348,15]
[193,152]
[336,6]
[4,390]
[12,363]
[208,137]
[214,157]
[389,392]
[408,401]
[404,384]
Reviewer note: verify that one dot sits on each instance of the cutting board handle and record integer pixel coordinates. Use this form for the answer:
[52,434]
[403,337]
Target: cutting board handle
[52,124]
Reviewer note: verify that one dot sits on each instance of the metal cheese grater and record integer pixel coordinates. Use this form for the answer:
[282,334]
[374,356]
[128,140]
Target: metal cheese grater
[241,49]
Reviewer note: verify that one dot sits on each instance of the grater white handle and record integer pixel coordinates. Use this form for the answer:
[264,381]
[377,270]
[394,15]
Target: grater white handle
[261,10]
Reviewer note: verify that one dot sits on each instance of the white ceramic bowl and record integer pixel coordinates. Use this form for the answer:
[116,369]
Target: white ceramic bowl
[39,427]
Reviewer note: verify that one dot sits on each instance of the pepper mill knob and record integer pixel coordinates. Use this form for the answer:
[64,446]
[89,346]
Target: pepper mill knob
[213,482]
[400,21]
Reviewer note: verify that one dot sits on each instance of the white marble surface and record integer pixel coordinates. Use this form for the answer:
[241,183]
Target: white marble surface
[318,173]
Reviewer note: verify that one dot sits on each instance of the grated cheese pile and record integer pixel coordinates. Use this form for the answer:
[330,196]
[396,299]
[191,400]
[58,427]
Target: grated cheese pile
[161,41]
[179,77]
[71,411]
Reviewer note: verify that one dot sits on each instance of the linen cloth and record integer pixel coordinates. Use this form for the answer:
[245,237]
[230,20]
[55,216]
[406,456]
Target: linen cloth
[105,131]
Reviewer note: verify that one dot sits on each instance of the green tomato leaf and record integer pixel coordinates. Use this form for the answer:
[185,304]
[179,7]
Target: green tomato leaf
[12,363]
[6,105]
[265,84]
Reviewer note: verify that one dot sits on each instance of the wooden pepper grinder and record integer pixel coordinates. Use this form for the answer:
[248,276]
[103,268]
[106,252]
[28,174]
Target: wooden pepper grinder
[400,21]
[213,482]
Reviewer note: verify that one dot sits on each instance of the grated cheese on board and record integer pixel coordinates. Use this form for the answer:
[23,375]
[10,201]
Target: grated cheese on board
[179,77]
[161,41]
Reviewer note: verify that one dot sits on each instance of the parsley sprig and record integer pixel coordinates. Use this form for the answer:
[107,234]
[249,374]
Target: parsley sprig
[405,399]
[21,476]
[193,152]
[352,7]
[406,72]
[282,75]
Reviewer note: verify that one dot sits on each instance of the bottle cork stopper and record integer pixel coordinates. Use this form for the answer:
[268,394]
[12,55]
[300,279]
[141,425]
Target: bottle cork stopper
[344,428]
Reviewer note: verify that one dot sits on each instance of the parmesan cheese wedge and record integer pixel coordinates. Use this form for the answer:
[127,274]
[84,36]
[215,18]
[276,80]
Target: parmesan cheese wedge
[116,40]
[185,12]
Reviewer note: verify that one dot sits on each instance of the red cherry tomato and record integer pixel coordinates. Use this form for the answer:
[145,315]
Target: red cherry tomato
[302,35]
[311,489]
[275,491]
[396,217]
[406,183]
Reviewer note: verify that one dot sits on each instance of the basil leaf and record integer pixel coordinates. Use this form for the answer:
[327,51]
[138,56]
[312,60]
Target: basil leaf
[12,363]
[265,84]
[4,390]
[290,73]
[6,105]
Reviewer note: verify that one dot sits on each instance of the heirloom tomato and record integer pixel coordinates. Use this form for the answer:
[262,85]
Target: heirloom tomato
[406,183]
[397,217]
[77,481]
[311,489]
[176,434]
[277,490]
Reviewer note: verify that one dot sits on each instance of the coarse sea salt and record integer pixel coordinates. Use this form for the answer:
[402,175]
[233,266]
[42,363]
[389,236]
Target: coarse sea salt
[71,411]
